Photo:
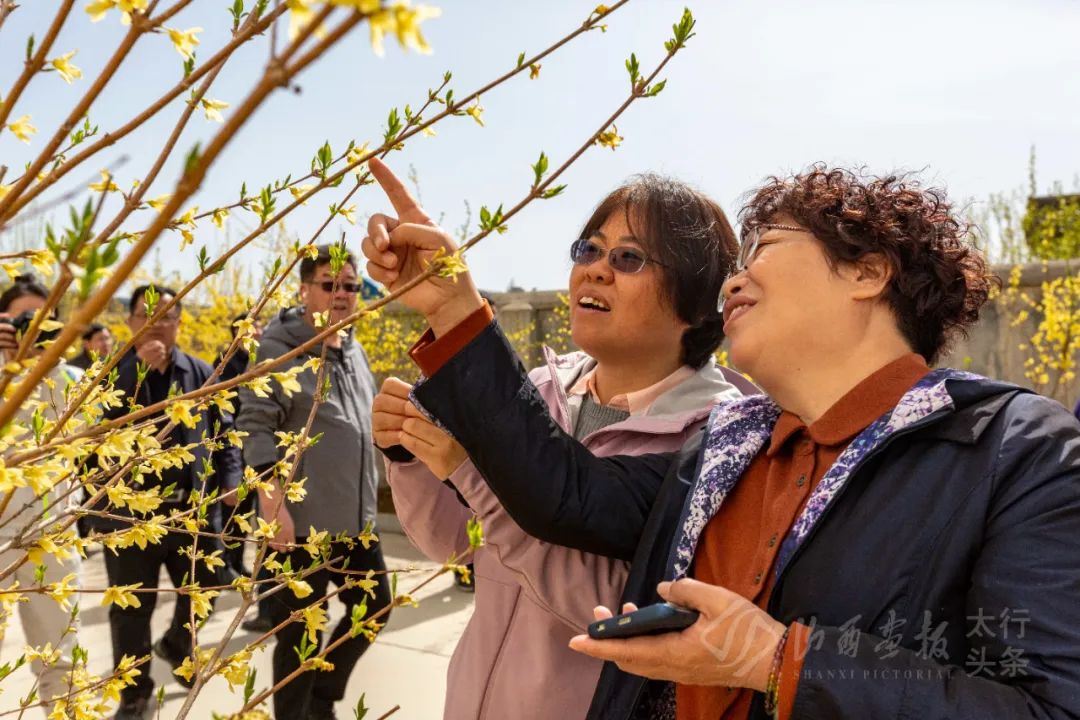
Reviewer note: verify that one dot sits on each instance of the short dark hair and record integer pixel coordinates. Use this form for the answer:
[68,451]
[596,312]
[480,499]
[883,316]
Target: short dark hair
[138,293]
[940,280]
[22,286]
[92,329]
[309,265]
[690,236]
[238,318]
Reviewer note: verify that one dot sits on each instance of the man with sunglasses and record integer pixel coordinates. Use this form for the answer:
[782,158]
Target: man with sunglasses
[339,467]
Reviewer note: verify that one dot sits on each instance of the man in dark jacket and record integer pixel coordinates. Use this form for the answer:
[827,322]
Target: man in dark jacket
[874,539]
[339,470]
[147,375]
[97,342]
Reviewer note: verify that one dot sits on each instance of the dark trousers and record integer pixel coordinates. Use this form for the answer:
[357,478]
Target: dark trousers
[234,556]
[130,626]
[292,701]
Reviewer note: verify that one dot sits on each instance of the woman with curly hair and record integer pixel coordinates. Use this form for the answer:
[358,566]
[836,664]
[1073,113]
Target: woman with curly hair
[872,539]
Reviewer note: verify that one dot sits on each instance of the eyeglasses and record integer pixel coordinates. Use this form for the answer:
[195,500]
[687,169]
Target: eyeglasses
[332,285]
[749,248]
[752,243]
[624,258]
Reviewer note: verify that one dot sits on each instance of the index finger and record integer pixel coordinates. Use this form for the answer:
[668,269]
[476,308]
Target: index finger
[399,195]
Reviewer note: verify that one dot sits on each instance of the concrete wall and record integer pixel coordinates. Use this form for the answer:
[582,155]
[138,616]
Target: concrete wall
[993,347]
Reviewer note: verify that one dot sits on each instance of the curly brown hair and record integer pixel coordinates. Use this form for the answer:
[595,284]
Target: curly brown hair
[940,280]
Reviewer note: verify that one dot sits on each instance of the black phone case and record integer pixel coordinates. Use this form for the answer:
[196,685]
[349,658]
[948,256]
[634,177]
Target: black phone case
[651,620]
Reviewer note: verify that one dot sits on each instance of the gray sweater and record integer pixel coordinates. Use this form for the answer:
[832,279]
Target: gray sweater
[340,467]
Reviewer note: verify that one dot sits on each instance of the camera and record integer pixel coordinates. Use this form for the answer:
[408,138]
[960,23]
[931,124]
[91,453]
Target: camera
[21,323]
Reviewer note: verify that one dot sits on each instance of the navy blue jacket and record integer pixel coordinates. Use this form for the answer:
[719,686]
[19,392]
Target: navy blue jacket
[187,373]
[939,567]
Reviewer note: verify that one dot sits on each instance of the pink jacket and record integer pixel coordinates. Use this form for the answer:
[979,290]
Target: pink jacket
[532,597]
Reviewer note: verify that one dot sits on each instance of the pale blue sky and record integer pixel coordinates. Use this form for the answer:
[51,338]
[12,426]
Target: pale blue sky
[958,89]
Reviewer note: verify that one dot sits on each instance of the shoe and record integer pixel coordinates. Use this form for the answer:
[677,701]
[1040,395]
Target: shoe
[175,658]
[465,584]
[134,710]
[259,624]
[321,709]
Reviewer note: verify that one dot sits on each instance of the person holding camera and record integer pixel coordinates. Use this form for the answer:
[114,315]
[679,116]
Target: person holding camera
[44,621]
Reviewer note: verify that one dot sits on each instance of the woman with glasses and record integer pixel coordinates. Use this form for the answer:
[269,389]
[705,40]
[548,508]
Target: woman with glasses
[647,268]
[871,539]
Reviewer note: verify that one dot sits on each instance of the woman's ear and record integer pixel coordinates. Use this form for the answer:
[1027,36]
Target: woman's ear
[870,276]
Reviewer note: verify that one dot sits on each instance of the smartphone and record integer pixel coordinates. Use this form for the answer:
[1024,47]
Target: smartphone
[650,620]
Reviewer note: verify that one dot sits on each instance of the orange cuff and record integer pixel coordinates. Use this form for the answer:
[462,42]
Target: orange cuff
[791,669]
[431,353]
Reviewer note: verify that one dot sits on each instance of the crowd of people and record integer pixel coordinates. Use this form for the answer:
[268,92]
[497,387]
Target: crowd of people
[340,501]
[862,532]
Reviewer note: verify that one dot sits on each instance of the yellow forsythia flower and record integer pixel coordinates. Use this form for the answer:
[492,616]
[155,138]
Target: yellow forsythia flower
[298,191]
[98,8]
[218,218]
[212,109]
[610,138]
[63,66]
[475,112]
[122,595]
[314,620]
[300,588]
[201,601]
[402,21]
[106,184]
[62,590]
[22,128]
[159,202]
[179,411]
[184,41]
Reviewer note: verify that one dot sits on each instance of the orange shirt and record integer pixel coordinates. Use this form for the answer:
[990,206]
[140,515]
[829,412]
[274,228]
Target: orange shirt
[739,546]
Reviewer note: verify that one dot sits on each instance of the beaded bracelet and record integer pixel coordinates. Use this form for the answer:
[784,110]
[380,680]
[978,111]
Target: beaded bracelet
[772,688]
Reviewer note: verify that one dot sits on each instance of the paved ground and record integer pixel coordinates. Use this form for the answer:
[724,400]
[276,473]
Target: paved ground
[406,666]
